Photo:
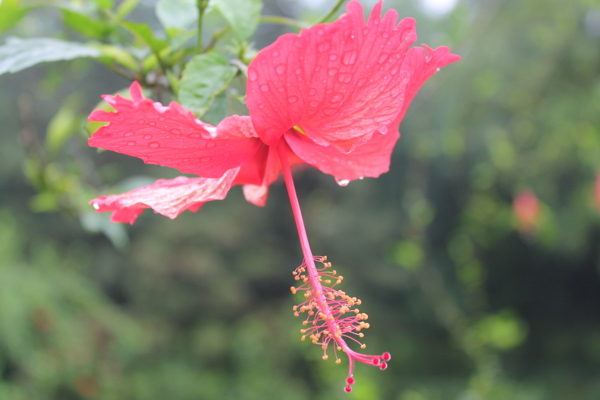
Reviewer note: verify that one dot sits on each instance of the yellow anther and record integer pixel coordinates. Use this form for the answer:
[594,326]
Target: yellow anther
[299,129]
[338,361]
[297,278]
[311,313]
[293,289]
[325,357]
[304,323]
[324,347]
[303,338]
[363,346]
[361,335]
[296,314]
[302,330]
[334,272]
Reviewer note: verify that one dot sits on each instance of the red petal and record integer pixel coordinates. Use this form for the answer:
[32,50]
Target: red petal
[423,62]
[167,197]
[369,160]
[170,136]
[271,167]
[339,82]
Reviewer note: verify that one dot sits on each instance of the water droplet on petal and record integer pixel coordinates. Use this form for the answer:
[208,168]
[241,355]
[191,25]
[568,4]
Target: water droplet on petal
[333,57]
[337,97]
[129,134]
[323,46]
[437,70]
[382,58]
[332,72]
[313,103]
[298,71]
[147,137]
[292,99]
[131,143]
[345,78]
[361,82]
[161,118]
[205,159]
[154,145]
[96,206]
[195,136]
[152,123]
[252,75]
[330,111]
[210,145]
[175,131]
[383,129]
[343,182]
[361,177]
[275,53]
[141,121]
[186,160]
[312,92]
[264,88]
[280,69]
[349,58]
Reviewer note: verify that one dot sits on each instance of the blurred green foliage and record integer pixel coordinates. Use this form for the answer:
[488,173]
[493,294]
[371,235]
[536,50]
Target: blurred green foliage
[472,303]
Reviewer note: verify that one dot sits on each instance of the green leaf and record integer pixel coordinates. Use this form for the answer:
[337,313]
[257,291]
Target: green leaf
[126,7]
[204,77]
[65,123]
[18,54]
[143,32]
[243,16]
[176,13]
[105,4]
[10,13]
[85,25]
[119,55]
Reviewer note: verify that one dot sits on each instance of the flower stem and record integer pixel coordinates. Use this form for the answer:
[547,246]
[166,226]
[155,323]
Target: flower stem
[331,13]
[202,5]
[313,273]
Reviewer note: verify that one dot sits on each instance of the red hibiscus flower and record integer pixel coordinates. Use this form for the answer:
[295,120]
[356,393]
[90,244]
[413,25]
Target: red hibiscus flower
[332,97]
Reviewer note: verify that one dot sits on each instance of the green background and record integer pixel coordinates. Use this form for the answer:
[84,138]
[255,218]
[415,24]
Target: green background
[471,304]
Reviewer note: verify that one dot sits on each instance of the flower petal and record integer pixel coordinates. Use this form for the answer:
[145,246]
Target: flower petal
[169,136]
[169,197]
[424,62]
[338,82]
[368,160]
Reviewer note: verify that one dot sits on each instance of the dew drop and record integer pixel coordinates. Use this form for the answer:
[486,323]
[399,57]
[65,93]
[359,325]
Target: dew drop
[383,58]
[161,118]
[175,131]
[337,97]
[186,160]
[298,71]
[313,103]
[292,99]
[333,57]
[281,90]
[154,145]
[394,70]
[280,69]
[323,47]
[345,78]
[205,159]
[332,72]
[264,88]
[129,134]
[349,58]
[437,70]
[252,75]
[275,53]
[361,82]
[141,121]
[210,145]
[147,137]
[330,111]
[312,92]
[96,206]
[131,143]
[343,182]
[152,123]
[195,135]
